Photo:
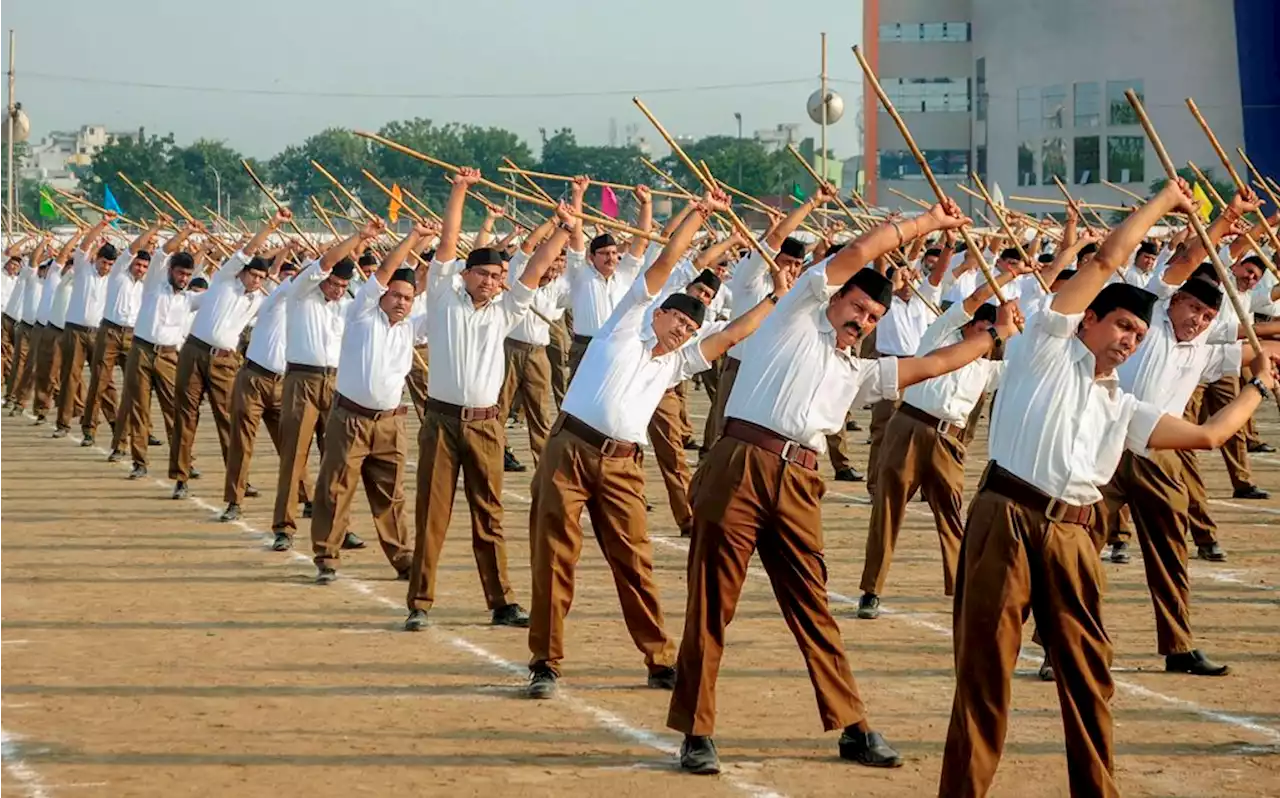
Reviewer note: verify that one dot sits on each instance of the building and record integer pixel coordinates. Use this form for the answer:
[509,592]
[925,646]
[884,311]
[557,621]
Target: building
[1021,91]
[53,159]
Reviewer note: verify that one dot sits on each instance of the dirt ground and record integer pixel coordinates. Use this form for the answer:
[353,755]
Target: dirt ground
[150,650]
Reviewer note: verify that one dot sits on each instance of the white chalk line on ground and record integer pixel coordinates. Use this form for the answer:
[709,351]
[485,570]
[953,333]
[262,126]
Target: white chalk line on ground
[604,718]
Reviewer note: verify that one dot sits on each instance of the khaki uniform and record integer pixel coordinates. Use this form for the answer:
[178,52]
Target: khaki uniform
[417,380]
[528,380]
[202,370]
[257,397]
[77,348]
[306,398]
[666,435]
[110,348]
[149,368]
[558,359]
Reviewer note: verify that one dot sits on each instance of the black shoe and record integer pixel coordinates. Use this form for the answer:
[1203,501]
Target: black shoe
[869,606]
[848,475]
[648,508]
[511,615]
[307,509]
[326,576]
[1250,492]
[868,748]
[403,575]
[250,492]
[60,432]
[1046,670]
[1195,663]
[1262,448]
[232,513]
[153,441]
[1119,553]
[1212,552]
[116,456]
[180,491]
[852,426]
[282,542]
[542,684]
[664,679]
[698,755]
[39,420]
[416,622]
[86,441]
[352,541]
[690,445]
[194,473]
[138,472]
[510,464]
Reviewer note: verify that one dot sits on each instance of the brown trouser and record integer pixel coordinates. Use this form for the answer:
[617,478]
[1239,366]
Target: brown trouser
[749,498]
[710,380]
[49,369]
[558,358]
[1203,529]
[881,412]
[1157,493]
[8,335]
[416,382]
[257,396]
[23,342]
[28,367]
[447,445]
[577,350]
[573,475]
[915,456]
[305,401]
[666,435]
[110,348]
[1014,561]
[145,370]
[975,415]
[77,347]
[369,448]
[528,377]
[1235,452]
[202,371]
[715,418]
[838,449]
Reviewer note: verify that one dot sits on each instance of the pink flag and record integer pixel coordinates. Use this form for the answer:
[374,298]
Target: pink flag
[608,202]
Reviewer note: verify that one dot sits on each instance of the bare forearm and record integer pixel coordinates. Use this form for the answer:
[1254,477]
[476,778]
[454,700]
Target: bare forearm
[337,252]
[984,292]
[789,224]
[396,257]
[535,238]
[543,257]
[714,346]
[1175,433]
[486,231]
[874,243]
[941,361]
[451,224]
[640,243]
[656,275]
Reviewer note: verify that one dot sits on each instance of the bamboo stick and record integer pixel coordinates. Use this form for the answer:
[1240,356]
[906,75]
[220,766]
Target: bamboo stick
[407,209]
[292,222]
[1267,184]
[1217,198]
[92,206]
[1008,231]
[1225,276]
[567,179]
[1051,201]
[1125,191]
[324,218]
[159,213]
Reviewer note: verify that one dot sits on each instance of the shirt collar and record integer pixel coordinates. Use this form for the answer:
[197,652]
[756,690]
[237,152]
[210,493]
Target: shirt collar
[1085,361]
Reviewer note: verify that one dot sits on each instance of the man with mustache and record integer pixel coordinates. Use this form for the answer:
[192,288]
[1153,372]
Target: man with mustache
[759,487]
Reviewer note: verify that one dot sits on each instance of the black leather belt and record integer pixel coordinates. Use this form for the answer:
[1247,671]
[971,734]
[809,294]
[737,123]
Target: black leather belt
[998,480]
[114,326]
[307,368]
[205,346]
[928,419]
[790,451]
[361,410]
[585,340]
[609,447]
[80,328]
[258,368]
[463,413]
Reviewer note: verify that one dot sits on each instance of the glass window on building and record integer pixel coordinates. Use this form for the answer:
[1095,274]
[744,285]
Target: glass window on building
[1053,160]
[1028,108]
[1026,164]
[1053,106]
[891,32]
[1119,112]
[928,95]
[1125,157]
[1088,105]
[980,157]
[901,164]
[925,32]
[1087,159]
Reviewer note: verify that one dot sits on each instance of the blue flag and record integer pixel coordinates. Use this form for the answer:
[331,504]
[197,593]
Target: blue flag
[109,202]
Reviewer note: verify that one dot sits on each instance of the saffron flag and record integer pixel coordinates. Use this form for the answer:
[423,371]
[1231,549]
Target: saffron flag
[109,202]
[393,212]
[1205,206]
[608,202]
[47,211]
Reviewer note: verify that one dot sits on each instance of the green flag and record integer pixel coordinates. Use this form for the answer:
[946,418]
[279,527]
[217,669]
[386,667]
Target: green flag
[47,210]
[798,193]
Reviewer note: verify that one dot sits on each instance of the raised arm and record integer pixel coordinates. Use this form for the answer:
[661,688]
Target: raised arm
[90,237]
[792,221]
[539,234]
[656,275]
[1181,266]
[1066,255]
[144,240]
[67,248]
[485,235]
[939,271]
[712,255]
[578,241]
[396,257]
[282,216]
[888,236]
[546,252]
[343,249]
[640,243]
[1080,291]
[452,219]
[949,358]
[717,344]
[1173,432]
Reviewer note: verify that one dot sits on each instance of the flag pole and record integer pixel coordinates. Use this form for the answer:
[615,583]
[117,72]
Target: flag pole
[12,198]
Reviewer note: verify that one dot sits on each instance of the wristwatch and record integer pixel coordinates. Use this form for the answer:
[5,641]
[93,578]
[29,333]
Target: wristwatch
[1262,389]
[995,337]
[772,297]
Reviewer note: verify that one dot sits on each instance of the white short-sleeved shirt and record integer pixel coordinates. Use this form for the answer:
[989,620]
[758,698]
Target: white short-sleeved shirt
[1055,425]
[903,325]
[749,283]
[124,293]
[313,324]
[548,303]
[223,311]
[165,315]
[88,291]
[593,296]
[52,279]
[61,301]
[951,397]
[794,381]
[267,342]
[376,355]
[620,383]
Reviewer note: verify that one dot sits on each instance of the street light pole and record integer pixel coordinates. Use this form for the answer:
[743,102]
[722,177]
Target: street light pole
[217,188]
[11,196]
[738,116]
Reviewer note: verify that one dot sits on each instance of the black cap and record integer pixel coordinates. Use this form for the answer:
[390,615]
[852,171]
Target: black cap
[835,248]
[872,283]
[484,256]
[687,305]
[367,259]
[1010,254]
[288,266]
[1045,257]
[257,264]
[601,241]
[404,275]
[931,251]
[1203,290]
[1064,275]
[1122,296]
[985,312]
[108,251]
[708,278]
[793,247]
[344,269]
[1254,260]
[1205,271]
[1089,249]
[197,282]
[1147,248]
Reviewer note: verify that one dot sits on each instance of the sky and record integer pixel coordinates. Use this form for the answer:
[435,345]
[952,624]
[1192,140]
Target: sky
[322,63]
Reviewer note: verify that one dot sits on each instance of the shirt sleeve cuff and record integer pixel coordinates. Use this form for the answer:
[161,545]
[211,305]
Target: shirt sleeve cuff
[1058,325]
[888,377]
[1145,418]
[521,293]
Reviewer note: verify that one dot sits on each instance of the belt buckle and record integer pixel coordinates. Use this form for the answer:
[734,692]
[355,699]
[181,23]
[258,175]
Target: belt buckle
[788,451]
[1057,510]
[610,447]
[468,414]
[943,427]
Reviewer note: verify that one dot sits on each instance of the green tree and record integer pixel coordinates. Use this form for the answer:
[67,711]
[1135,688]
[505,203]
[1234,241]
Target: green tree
[207,166]
[1225,188]
[762,172]
[342,153]
[149,159]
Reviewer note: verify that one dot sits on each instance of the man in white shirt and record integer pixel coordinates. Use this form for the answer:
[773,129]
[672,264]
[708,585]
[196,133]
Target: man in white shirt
[153,356]
[35,310]
[8,323]
[596,285]
[470,315]
[115,337]
[924,446]
[54,302]
[594,458]
[1059,427]
[366,440]
[209,358]
[316,306]
[259,387]
[759,487]
[24,278]
[84,313]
